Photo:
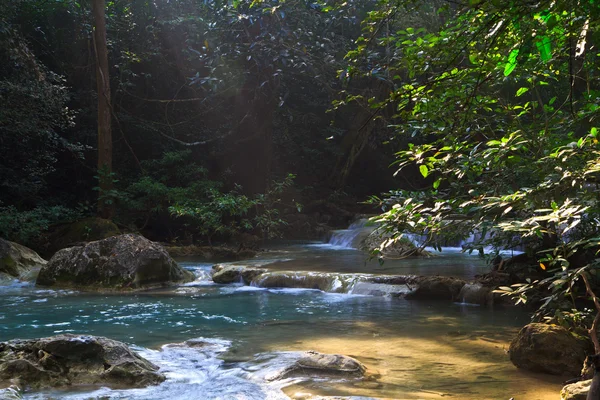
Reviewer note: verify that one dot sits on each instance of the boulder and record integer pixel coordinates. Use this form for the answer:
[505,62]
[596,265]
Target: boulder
[435,288]
[74,360]
[18,261]
[125,262]
[235,273]
[475,293]
[576,391]
[551,349]
[313,364]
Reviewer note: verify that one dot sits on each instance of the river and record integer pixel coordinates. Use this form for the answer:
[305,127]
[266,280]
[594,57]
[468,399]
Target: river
[412,349]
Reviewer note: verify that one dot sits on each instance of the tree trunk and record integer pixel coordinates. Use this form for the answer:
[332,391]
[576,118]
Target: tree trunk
[105,203]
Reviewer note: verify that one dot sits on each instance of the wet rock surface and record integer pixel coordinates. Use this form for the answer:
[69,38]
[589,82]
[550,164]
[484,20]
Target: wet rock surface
[74,359]
[18,261]
[550,349]
[235,273]
[125,262]
[435,288]
[320,365]
[576,391]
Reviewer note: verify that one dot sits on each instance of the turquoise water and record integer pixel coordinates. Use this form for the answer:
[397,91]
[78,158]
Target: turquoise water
[401,342]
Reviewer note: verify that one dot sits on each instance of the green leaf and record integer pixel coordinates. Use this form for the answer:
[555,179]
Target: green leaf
[424,170]
[512,62]
[522,91]
[594,132]
[544,46]
[436,184]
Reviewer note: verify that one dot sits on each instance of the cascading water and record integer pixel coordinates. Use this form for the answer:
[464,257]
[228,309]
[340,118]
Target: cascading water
[350,238]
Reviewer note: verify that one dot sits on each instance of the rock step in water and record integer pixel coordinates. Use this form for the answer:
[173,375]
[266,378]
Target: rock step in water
[68,359]
[407,286]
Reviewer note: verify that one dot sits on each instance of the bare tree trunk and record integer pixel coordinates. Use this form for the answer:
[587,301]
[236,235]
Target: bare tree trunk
[105,204]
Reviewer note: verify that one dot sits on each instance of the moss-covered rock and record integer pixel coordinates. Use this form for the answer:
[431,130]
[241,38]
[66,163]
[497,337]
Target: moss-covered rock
[298,280]
[18,261]
[235,273]
[125,262]
[74,359]
[551,349]
[435,288]
[476,293]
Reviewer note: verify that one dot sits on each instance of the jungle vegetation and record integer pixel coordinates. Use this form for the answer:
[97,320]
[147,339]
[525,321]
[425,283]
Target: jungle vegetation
[233,116]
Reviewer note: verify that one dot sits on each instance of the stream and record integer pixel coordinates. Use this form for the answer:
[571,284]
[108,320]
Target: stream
[412,349]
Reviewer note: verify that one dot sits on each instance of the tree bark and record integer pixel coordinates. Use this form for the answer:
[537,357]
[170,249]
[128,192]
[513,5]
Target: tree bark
[105,203]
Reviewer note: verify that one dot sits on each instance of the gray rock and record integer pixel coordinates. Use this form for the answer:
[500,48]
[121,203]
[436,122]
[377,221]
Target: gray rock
[125,262]
[314,364]
[576,391]
[476,293]
[551,349]
[18,261]
[74,359]
[435,288]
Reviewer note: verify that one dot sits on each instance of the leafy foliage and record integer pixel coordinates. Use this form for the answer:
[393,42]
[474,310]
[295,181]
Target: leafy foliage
[500,103]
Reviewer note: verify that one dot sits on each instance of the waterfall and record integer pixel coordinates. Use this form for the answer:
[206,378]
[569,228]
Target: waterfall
[350,238]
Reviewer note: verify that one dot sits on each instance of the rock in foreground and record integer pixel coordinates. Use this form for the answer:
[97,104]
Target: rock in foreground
[72,360]
[576,391]
[551,349]
[320,365]
[17,261]
[122,262]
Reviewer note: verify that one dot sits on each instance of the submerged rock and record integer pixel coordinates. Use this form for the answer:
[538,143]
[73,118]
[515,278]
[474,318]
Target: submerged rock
[551,349]
[72,360]
[435,288]
[19,261]
[576,391]
[124,262]
[235,273]
[314,364]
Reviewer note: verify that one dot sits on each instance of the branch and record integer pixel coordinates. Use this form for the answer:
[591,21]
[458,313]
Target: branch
[593,331]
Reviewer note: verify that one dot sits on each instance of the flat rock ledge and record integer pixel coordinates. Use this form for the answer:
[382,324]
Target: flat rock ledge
[65,360]
[225,274]
[314,364]
[576,391]
[410,287]
[124,262]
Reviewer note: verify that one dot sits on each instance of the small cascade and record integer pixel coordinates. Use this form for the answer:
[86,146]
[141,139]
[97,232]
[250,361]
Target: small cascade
[350,238]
